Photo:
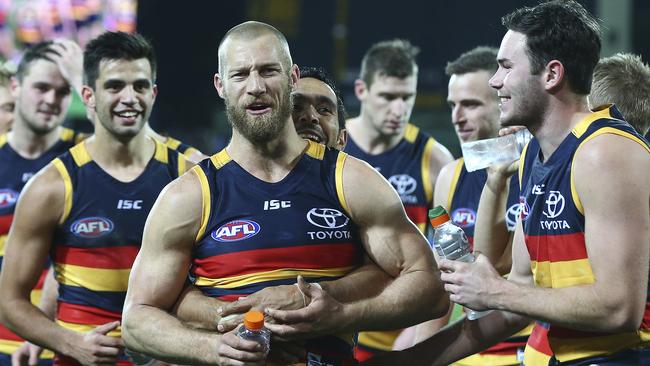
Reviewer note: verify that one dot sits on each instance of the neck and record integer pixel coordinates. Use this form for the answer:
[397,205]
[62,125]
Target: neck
[153,134]
[124,159]
[560,118]
[369,138]
[29,144]
[269,161]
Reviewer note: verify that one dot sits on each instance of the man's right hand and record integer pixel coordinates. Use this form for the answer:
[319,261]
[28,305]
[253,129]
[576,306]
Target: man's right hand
[234,350]
[96,347]
[27,354]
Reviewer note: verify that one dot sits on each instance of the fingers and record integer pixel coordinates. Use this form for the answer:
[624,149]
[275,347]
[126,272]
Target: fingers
[236,307]
[286,332]
[309,289]
[34,353]
[230,322]
[18,357]
[240,350]
[291,316]
[105,328]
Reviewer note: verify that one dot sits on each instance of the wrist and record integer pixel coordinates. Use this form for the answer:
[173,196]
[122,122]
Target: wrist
[500,297]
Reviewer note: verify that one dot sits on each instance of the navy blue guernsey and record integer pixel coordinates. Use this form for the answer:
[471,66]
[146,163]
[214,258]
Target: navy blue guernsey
[256,234]
[100,233]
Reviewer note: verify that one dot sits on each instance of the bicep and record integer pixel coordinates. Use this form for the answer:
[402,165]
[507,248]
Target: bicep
[440,161]
[389,237]
[161,267]
[38,211]
[443,185]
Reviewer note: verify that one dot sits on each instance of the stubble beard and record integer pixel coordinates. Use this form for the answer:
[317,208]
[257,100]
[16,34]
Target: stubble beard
[264,128]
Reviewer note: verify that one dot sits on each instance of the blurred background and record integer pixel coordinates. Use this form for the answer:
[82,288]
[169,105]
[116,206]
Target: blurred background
[333,34]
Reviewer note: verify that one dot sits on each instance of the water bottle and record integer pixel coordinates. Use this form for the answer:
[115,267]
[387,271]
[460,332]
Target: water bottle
[254,330]
[450,242]
[481,154]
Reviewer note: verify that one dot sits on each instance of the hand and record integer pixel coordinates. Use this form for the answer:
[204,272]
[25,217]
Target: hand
[286,297]
[96,347]
[321,316]
[27,354]
[233,350]
[68,56]
[469,284]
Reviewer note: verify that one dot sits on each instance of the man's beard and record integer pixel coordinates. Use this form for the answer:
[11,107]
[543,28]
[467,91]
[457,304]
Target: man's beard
[260,129]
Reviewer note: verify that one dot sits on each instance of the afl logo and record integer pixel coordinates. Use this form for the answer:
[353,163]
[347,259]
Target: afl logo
[8,198]
[327,218]
[92,227]
[464,217]
[524,209]
[404,184]
[236,230]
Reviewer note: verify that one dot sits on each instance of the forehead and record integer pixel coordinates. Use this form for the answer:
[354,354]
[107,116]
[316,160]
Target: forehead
[392,84]
[43,71]
[513,46]
[470,85]
[312,87]
[123,69]
[250,52]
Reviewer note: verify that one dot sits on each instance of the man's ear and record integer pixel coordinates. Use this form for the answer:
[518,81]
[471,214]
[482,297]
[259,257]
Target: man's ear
[342,139]
[88,97]
[218,84]
[553,75]
[360,89]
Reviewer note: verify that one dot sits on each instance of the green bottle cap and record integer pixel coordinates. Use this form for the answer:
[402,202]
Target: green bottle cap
[437,211]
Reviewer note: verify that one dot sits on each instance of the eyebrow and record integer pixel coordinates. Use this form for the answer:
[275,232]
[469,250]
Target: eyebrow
[318,97]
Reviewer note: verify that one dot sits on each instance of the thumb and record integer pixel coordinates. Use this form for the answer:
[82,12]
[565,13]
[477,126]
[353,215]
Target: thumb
[33,356]
[105,328]
[307,288]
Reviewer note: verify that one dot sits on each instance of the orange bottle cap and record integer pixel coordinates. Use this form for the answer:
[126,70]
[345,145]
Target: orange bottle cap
[254,320]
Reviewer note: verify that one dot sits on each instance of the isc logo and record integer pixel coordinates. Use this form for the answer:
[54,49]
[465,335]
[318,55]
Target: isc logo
[464,217]
[129,204]
[7,198]
[91,227]
[236,230]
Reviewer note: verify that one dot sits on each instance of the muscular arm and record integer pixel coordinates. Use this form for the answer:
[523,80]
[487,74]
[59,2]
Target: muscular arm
[397,246]
[39,208]
[616,216]
[158,276]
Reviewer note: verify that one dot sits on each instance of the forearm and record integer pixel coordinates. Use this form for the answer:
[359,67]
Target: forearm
[491,236]
[365,282]
[583,307]
[154,332]
[413,297]
[49,295]
[464,338]
[197,310]
[32,324]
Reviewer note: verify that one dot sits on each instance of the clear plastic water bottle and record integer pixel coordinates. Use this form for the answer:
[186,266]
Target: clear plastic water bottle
[450,242]
[254,330]
[500,150]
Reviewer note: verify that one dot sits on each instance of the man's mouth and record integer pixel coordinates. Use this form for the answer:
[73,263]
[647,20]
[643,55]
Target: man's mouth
[311,135]
[258,108]
[128,116]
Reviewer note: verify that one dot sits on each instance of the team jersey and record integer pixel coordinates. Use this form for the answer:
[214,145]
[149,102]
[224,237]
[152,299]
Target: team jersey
[15,171]
[554,230]
[100,234]
[406,166]
[181,147]
[463,199]
[255,234]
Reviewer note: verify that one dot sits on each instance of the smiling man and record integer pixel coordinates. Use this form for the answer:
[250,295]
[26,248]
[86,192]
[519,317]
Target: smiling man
[87,209]
[318,111]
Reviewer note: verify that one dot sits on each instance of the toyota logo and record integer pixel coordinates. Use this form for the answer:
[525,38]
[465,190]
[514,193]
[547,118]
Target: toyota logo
[554,204]
[327,218]
[404,184]
[512,214]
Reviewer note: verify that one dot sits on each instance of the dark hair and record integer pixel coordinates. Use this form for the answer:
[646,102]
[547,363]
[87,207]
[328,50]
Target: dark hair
[320,74]
[481,58]
[116,46]
[559,30]
[394,58]
[39,51]
[623,79]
